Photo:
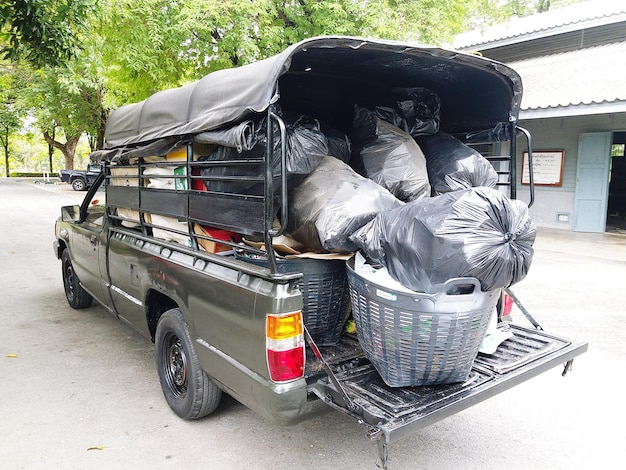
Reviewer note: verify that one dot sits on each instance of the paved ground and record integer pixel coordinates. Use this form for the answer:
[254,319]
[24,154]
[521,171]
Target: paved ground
[78,389]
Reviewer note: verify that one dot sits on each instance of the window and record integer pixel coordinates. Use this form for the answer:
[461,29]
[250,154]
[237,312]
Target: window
[95,209]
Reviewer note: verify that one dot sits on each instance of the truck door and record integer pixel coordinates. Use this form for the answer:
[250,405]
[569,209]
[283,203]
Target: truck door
[93,171]
[128,273]
[87,239]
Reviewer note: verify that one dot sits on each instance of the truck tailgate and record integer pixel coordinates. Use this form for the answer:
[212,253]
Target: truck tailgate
[393,413]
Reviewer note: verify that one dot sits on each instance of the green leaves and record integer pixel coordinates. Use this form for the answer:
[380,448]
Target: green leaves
[89,56]
[43,32]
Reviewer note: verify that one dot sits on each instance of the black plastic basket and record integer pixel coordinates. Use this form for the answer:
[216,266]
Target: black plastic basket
[325,295]
[421,339]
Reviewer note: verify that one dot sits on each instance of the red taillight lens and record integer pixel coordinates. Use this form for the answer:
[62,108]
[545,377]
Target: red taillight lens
[507,304]
[286,365]
[285,347]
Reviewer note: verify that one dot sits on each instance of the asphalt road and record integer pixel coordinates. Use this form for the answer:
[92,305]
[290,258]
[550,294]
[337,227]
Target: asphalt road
[79,390]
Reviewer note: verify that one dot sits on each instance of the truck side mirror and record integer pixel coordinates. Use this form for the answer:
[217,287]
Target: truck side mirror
[70,213]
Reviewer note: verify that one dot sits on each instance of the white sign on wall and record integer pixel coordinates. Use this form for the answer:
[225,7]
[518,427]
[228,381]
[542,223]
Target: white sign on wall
[547,168]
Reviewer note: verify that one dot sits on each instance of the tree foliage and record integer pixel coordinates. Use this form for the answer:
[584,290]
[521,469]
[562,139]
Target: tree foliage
[89,56]
[67,98]
[10,111]
[43,32]
[154,44]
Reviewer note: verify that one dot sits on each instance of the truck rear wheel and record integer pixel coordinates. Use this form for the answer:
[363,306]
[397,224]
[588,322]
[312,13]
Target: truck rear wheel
[189,391]
[79,184]
[77,297]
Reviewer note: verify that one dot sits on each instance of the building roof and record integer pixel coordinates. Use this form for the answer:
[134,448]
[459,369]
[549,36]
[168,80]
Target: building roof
[572,60]
[558,21]
[586,81]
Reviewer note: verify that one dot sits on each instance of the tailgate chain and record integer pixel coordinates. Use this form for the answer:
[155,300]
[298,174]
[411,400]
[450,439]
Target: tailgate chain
[351,405]
[526,313]
[374,434]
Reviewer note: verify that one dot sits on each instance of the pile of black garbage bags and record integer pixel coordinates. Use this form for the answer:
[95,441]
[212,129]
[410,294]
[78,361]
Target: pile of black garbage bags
[409,196]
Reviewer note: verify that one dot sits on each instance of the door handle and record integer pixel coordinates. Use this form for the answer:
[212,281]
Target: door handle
[93,239]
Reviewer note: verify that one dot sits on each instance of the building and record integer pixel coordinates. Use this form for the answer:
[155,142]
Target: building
[573,66]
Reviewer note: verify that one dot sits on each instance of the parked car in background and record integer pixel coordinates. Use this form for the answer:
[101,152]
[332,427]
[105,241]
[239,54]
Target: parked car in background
[81,179]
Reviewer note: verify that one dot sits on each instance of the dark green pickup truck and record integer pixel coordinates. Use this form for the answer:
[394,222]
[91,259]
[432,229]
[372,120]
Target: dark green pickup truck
[158,240]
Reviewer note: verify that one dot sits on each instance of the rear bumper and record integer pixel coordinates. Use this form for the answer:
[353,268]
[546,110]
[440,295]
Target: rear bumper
[287,408]
[281,403]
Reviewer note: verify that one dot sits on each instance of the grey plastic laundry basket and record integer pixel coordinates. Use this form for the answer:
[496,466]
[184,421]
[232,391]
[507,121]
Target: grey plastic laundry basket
[420,339]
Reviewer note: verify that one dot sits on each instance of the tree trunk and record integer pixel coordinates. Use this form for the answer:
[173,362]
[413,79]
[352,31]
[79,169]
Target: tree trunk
[68,149]
[101,129]
[100,115]
[51,152]
[5,144]
[104,115]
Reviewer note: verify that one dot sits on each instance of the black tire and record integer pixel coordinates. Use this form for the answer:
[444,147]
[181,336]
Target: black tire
[79,184]
[76,296]
[188,390]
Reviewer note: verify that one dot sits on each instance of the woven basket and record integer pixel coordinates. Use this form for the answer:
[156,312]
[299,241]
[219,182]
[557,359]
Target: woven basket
[421,339]
[325,296]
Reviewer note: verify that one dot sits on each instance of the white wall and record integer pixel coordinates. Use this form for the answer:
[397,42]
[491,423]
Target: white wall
[560,134]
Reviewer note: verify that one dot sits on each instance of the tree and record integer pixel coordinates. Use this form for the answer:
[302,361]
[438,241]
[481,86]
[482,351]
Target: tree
[67,99]
[11,112]
[9,123]
[47,34]
[43,32]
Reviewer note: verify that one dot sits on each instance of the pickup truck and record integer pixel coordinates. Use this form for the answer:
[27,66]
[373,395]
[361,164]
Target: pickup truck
[227,316]
[81,179]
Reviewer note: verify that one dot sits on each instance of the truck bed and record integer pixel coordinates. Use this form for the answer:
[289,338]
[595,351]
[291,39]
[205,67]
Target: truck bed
[392,413]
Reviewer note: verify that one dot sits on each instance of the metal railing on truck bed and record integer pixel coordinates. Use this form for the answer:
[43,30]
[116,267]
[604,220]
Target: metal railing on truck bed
[174,191]
[506,165]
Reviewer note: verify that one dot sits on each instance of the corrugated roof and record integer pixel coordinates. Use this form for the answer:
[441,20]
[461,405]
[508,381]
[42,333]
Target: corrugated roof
[560,20]
[582,78]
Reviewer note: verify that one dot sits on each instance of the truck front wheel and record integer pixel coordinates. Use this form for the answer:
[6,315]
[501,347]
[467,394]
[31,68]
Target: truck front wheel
[189,391]
[76,296]
[79,184]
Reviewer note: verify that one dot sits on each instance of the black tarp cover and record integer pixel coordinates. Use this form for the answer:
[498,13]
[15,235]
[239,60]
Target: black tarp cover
[477,94]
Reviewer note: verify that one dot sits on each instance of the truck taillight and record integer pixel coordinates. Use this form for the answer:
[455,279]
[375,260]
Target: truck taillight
[507,304]
[285,346]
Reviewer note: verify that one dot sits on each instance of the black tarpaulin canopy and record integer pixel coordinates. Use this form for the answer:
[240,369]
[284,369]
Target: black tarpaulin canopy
[325,77]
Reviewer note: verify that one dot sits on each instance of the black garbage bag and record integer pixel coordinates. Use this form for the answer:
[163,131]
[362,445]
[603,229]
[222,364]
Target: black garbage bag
[416,111]
[339,145]
[306,146]
[364,128]
[390,157]
[452,165]
[239,178]
[331,203]
[477,232]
